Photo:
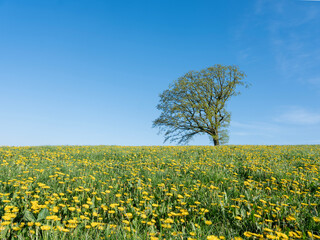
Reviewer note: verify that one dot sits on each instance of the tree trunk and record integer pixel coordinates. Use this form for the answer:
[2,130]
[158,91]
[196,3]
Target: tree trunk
[215,137]
[216,142]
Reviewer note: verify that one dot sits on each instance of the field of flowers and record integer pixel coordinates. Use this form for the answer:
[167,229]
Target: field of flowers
[196,192]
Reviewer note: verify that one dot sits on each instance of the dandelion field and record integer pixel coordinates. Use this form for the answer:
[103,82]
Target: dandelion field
[190,192]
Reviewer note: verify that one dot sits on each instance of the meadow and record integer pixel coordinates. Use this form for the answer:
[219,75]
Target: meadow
[188,192]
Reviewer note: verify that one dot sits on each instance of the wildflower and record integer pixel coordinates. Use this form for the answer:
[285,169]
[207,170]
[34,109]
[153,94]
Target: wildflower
[212,237]
[6,217]
[127,229]
[290,218]
[271,236]
[316,219]
[169,220]
[126,221]
[94,224]
[166,225]
[45,227]
[313,235]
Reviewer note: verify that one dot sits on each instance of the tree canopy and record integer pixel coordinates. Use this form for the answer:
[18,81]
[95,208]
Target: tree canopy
[196,104]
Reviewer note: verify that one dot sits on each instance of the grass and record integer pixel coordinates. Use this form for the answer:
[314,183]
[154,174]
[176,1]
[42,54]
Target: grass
[193,192]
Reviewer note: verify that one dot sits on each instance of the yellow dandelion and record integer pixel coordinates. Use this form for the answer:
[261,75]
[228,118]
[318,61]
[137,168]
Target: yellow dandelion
[72,209]
[212,237]
[45,227]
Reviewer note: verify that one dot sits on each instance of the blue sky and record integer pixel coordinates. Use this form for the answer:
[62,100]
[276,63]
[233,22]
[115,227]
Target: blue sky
[90,72]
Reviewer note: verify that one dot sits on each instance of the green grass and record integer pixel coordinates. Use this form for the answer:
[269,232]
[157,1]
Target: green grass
[196,192]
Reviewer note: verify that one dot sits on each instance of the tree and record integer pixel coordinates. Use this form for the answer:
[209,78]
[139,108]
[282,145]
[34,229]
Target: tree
[196,104]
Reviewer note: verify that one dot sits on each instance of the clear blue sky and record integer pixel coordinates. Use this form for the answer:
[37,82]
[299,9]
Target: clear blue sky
[90,72]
